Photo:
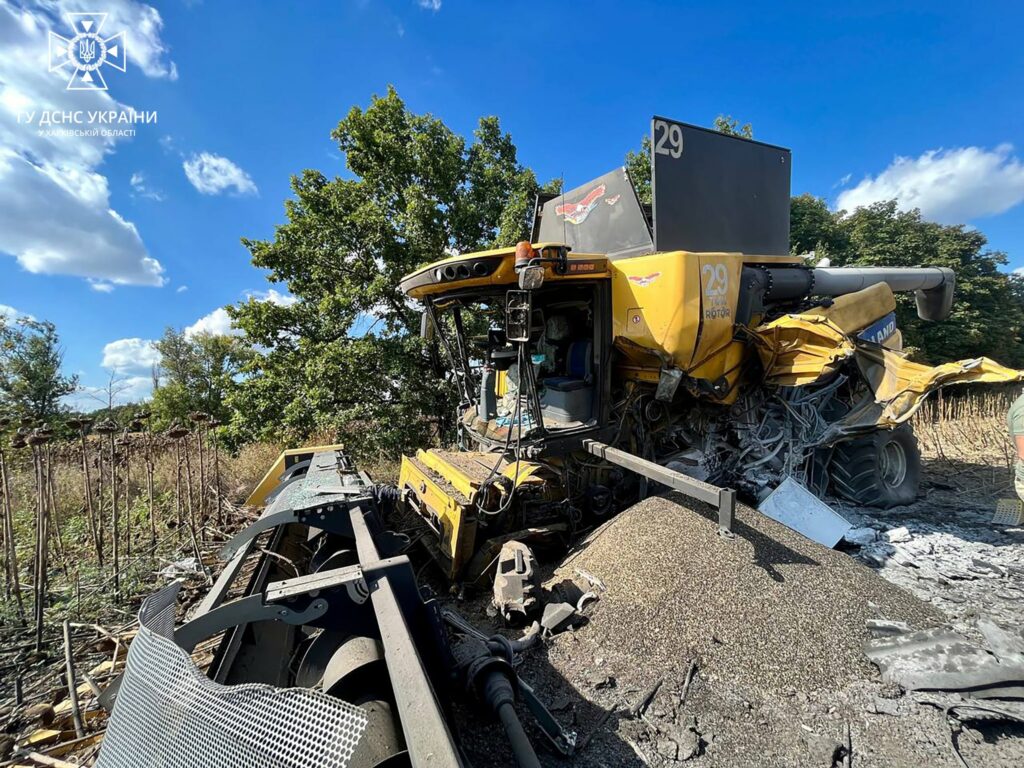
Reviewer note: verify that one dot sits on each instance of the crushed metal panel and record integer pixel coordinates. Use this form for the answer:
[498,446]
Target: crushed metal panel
[602,216]
[715,192]
[795,507]
[942,659]
[169,714]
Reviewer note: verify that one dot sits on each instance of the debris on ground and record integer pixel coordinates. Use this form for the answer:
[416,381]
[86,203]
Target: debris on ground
[514,583]
[942,659]
[557,616]
[753,648]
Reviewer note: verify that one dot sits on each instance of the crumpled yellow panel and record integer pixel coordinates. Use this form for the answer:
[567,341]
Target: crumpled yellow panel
[802,349]
[900,385]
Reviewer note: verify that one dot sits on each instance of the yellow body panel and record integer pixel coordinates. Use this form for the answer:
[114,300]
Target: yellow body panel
[855,311]
[679,309]
[451,516]
[444,492]
[584,266]
[805,348]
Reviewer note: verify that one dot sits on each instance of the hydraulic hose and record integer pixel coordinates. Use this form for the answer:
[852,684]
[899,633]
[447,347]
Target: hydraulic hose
[500,695]
[521,746]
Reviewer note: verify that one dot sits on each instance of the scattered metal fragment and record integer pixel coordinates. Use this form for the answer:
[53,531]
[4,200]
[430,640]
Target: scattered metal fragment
[591,579]
[597,727]
[898,535]
[689,679]
[884,627]
[942,659]
[515,582]
[795,507]
[1009,512]
[585,598]
[557,616]
[860,536]
[645,701]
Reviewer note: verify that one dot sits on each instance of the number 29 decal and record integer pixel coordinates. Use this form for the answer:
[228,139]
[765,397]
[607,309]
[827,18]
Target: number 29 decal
[670,142]
[716,279]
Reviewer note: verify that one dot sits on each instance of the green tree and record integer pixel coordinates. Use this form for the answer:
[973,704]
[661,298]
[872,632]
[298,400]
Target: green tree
[31,381]
[731,127]
[638,166]
[988,313]
[345,359]
[196,374]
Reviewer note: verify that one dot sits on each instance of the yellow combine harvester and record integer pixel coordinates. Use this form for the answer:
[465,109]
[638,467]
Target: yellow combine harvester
[585,375]
[681,345]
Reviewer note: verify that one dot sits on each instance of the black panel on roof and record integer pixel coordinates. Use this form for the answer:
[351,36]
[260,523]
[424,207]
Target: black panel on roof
[602,216]
[715,192]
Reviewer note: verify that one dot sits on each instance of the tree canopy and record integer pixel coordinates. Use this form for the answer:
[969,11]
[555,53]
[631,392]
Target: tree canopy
[988,313]
[345,358]
[31,381]
[196,374]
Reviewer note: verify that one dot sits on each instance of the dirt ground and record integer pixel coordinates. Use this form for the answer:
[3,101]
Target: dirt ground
[773,627]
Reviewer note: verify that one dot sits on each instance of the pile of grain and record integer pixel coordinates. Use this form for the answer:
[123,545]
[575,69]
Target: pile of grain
[765,611]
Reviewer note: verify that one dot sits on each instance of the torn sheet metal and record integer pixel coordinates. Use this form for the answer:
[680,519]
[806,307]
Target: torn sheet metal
[795,507]
[942,659]
[802,349]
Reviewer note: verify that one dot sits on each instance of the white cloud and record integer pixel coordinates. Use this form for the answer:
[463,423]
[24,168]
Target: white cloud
[212,174]
[430,5]
[55,214]
[100,286]
[10,314]
[951,186]
[181,289]
[217,323]
[130,355]
[1019,271]
[141,187]
[273,296]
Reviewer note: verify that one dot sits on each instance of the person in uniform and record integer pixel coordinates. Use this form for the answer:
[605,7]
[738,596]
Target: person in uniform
[1015,423]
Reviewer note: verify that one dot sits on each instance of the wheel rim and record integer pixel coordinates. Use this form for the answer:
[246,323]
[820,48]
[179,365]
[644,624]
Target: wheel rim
[893,464]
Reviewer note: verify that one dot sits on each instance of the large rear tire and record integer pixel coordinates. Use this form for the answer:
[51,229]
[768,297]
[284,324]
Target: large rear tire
[880,470]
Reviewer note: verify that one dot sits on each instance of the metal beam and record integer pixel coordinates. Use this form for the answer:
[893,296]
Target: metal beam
[723,498]
[429,741]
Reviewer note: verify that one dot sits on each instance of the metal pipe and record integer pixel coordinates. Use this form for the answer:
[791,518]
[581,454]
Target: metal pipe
[933,287]
[836,281]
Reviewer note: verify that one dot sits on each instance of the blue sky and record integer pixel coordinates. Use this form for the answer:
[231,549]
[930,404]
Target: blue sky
[876,100]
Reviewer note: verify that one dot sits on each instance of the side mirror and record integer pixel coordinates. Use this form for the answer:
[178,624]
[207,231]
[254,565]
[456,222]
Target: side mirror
[426,327]
[531,278]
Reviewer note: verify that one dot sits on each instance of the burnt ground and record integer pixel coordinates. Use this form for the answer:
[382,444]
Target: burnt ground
[773,626]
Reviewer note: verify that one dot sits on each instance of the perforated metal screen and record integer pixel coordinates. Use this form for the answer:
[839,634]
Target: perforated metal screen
[169,715]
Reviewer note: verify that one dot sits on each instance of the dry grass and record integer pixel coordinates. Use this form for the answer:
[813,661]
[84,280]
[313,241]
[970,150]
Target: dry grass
[77,582]
[965,442]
